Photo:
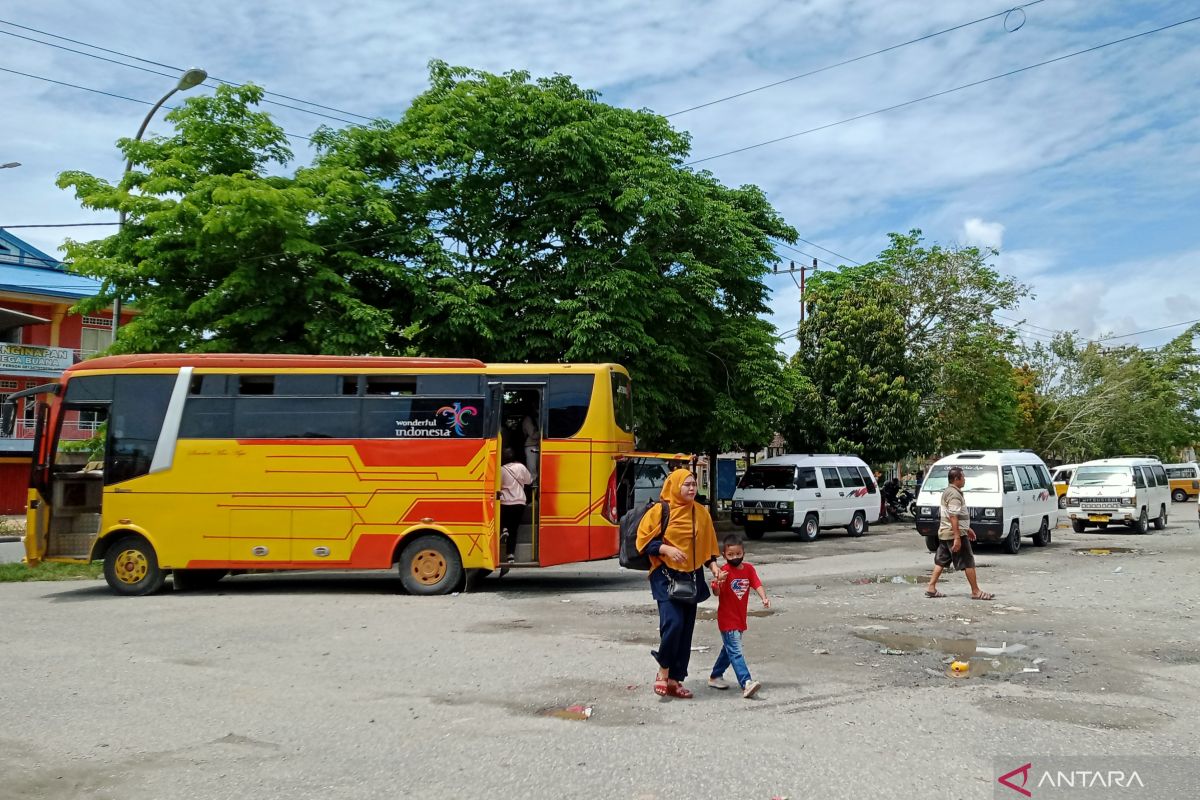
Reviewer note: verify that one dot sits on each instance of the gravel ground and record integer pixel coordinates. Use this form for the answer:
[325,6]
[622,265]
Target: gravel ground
[340,686]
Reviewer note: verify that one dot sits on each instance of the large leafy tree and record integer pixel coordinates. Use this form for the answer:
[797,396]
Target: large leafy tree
[504,218]
[854,391]
[948,346]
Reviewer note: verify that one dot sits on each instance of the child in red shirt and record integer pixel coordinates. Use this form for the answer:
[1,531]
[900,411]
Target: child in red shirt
[733,593]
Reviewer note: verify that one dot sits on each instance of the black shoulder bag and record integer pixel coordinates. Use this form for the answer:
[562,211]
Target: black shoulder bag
[681,586]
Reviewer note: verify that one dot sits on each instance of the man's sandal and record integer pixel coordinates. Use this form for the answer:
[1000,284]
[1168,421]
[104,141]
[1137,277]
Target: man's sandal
[933,594]
[983,596]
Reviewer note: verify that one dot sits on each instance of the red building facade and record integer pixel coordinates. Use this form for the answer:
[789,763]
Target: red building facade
[39,337]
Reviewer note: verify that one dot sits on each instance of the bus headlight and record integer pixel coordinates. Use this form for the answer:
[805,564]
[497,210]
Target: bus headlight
[927,511]
[989,512]
[785,505]
[737,503]
[1128,501]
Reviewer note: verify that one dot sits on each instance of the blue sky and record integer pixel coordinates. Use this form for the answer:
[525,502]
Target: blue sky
[1083,172]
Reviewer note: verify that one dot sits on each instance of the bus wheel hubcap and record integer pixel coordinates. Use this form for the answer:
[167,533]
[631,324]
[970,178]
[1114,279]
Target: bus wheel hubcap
[429,567]
[132,566]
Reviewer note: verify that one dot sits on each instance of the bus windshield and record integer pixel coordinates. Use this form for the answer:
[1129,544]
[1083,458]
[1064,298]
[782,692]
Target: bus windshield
[1102,476]
[979,478]
[769,477]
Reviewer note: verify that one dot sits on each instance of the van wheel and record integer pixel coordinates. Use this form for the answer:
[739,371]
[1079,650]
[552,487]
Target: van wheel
[858,525]
[131,567]
[1179,496]
[755,531]
[430,564]
[810,529]
[1012,542]
[1042,537]
[1143,523]
[190,580]
[931,543]
[1078,526]
[1062,501]
[1160,521]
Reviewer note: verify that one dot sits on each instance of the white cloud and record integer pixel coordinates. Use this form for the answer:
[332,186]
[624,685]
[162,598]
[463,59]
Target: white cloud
[977,233]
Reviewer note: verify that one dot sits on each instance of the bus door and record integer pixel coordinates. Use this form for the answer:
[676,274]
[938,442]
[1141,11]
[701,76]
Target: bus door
[522,420]
[37,522]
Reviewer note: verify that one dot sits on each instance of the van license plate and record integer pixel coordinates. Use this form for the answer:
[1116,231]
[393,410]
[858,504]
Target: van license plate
[1097,517]
[754,517]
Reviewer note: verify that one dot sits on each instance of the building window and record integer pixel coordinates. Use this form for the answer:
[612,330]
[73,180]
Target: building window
[8,385]
[94,340]
[97,322]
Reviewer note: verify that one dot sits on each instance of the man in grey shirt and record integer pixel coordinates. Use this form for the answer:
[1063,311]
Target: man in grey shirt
[955,537]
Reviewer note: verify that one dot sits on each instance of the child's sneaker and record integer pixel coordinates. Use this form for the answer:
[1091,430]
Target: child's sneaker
[717,683]
[750,689]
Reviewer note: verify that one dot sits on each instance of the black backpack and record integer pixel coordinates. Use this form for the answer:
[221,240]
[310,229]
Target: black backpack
[631,557]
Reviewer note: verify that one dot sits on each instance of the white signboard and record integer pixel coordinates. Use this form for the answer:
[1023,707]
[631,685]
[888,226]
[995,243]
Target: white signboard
[34,358]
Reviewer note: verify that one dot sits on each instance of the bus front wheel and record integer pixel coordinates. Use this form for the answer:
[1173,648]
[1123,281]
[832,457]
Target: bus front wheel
[131,567]
[430,565]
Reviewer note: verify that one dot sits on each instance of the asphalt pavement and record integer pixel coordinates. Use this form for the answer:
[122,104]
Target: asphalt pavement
[538,685]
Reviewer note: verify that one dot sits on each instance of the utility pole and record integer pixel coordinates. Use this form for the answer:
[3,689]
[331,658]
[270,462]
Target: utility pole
[802,269]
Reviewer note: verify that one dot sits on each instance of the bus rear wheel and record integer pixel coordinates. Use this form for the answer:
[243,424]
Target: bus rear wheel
[430,564]
[131,567]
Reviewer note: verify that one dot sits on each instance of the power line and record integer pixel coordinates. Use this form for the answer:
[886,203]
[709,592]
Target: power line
[828,67]
[111,94]
[63,225]
[163,74]
[171,67]
[1148,330]
[806,255]
[940,94]
[834,252]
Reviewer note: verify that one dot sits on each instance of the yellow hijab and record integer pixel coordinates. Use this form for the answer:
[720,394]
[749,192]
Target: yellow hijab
[686,518]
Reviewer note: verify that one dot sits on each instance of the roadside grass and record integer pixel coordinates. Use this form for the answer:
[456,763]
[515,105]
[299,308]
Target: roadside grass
[19,573]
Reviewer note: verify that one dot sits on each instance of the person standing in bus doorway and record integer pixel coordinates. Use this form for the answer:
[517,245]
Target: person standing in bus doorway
[514,477]
[678,557]
[533,442]
[955,537]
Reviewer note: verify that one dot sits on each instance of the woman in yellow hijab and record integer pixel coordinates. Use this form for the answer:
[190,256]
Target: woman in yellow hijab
[678,556]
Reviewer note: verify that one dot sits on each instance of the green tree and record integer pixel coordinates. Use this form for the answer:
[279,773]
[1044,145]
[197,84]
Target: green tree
[853,395]
[503,218]
[949,347]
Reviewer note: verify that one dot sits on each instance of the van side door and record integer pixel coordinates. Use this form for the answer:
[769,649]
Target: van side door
[807,497]
[1030,518]
[835,509]
[1012,497]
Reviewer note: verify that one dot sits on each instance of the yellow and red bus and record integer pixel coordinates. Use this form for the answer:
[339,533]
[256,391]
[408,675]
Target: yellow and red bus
[211,464]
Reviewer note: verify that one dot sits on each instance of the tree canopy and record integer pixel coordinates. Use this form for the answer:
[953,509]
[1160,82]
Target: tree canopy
[501,217]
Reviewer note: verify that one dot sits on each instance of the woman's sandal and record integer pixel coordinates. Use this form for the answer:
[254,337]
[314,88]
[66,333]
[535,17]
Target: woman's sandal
[681,693]
[661,688]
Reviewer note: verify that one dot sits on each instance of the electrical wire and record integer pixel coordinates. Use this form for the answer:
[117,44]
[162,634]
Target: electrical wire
[828,67]
[943,93]
[111,94]
[164,66]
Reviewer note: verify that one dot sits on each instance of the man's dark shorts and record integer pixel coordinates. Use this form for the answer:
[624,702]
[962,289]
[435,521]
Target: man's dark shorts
[963,559]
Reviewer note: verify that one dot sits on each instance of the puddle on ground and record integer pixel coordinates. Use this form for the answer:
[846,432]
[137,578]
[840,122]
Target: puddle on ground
[961,649]
[909,579]
[578,713]
[1105,551]
[711,613]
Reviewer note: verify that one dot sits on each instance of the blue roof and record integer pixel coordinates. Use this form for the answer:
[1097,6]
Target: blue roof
[49,282]
[30,271]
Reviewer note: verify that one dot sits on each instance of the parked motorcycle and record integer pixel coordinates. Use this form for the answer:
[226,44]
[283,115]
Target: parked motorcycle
[900,506]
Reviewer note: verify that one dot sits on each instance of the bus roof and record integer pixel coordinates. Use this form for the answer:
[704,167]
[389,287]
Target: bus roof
[266,361]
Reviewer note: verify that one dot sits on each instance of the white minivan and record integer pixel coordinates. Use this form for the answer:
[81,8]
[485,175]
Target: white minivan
[1008,492]
[806,493]
[1133,491]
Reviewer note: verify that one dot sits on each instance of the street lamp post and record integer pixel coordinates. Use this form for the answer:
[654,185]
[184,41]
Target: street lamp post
[10,165]
[188,80]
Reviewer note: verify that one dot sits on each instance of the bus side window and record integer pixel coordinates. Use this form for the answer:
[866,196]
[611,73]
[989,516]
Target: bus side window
[807,478]
[1138,480]
[567,401]
[868,480]
[1010,482]
[139,406]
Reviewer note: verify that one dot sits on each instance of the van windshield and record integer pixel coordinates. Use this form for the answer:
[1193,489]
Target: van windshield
[769,477]
[1102,476]
[979,478]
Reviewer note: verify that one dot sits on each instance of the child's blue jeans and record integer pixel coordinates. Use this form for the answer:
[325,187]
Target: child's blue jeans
[731,654]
